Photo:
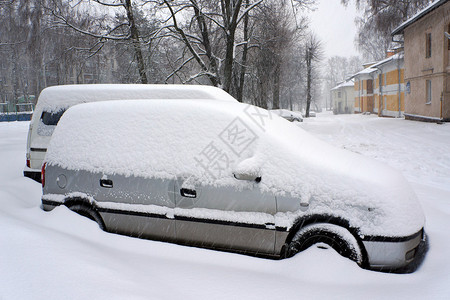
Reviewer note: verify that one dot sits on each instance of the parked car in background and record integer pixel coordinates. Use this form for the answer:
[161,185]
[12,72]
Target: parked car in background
[244,181]
[289,115]
[54,101]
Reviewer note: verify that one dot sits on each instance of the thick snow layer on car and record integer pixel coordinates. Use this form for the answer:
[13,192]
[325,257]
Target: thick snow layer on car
[62,97]
[210,141]
[60,254]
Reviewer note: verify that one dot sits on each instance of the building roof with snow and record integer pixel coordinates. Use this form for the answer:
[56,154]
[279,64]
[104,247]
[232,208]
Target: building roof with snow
[343,84]
[419,15]
[366,72]
[395,57]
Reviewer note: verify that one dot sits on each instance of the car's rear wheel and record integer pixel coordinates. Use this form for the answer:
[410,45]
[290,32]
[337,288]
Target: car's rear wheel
[88,212]
[337,237]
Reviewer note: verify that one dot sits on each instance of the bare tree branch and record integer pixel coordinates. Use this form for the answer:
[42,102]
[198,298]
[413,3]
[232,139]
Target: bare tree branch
[179,68]
[64,22]
[248,9]
[109,4]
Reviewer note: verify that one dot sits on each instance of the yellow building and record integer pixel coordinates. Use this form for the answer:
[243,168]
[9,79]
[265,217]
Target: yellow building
[427,63]
[389,90]
[380,87]
[364,92]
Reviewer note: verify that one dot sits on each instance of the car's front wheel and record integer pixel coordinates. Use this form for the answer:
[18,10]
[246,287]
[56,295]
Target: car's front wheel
[337,237]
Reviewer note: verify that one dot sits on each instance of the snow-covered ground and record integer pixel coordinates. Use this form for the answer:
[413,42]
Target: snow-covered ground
[60,255]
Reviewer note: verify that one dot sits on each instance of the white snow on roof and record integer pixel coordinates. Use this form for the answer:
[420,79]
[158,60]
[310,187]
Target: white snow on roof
[348,83]
[417,16]
[170,138]
[373,68]
[62,97]
[366,71]
[397,56]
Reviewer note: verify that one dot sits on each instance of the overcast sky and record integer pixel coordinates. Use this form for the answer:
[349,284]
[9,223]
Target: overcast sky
[335,26]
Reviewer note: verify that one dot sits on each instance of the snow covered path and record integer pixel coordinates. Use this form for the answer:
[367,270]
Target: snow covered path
[60,255]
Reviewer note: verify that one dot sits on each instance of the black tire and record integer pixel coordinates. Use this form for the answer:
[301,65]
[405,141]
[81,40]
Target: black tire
[339,238]
[88,212]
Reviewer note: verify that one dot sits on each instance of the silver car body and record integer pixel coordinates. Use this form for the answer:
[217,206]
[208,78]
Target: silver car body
[169,197]
[289,115]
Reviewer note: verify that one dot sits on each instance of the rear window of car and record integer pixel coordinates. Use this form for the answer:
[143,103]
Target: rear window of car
[51,118]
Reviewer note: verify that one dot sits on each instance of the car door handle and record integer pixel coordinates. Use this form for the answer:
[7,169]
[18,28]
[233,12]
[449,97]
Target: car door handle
[106,183]
[188,193]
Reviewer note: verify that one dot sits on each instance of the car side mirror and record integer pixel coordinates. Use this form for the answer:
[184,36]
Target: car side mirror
[247,177]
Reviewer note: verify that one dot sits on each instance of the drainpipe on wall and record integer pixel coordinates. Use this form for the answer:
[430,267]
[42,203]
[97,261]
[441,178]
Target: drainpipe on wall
[346,106]
[399,89]
[360,100]
[380,91]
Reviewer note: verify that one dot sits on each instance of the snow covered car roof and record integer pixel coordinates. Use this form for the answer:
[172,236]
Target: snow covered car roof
[286,113]
[168,138]
[282,112]
[62,97]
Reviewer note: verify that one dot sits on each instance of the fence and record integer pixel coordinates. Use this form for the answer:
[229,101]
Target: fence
[17,112]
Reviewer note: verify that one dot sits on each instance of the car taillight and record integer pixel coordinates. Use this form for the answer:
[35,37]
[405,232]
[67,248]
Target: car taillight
[28,163]
[43,174]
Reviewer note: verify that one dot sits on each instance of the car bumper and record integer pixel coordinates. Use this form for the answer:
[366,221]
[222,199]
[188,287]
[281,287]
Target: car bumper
[387,253]
[32,173]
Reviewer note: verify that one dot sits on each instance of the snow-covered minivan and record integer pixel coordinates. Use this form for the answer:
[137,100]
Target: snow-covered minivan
[54,101]
[245,181]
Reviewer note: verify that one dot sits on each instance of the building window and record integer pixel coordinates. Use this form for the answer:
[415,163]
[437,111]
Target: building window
[448,40]
[428,92]
[428,45]
[339,94]
[369,86]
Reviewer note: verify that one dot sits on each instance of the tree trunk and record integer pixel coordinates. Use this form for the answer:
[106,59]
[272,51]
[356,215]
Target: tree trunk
[228,64]
[136,43]
[207,44]
[230,11]
[263,95]
[308,81]
[240,90]
[291,107]
[276,87]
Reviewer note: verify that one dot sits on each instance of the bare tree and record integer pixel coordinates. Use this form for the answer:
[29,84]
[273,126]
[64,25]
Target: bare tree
[21,48]
[380,17]
[248,47]
[217,22]
[313,55]
[122,28]
[246,41]
[210,16]
[338,69]
[277,61]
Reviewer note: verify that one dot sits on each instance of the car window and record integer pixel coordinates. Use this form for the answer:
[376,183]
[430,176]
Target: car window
[48,122]
[51,118]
